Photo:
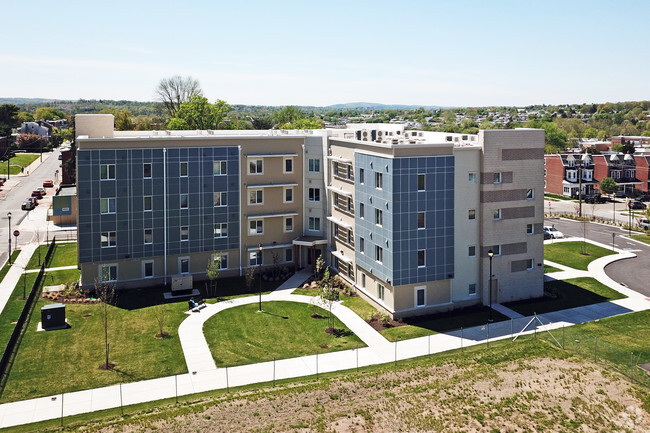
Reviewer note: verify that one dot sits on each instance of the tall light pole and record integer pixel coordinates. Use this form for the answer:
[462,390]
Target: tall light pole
[490,255]
[9,235]
[259,271]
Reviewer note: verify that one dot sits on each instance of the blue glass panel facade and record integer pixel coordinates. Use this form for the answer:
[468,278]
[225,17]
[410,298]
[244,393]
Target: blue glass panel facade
[400,202]
[129,189]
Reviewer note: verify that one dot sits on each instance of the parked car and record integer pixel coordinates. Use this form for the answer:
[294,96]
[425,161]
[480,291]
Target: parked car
[555,233]
[32,200]
[636,204]
[547,235]
[48,184]
[594,198]
[643,198]
[60,156]
[644,223]
[3,179]
[622,194]
[42,190]
[37,194]
[28,205]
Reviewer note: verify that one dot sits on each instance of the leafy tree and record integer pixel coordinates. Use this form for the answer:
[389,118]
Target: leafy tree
[106,294]
[123,118]
[328,296]
[8,119]
[608,185]
[303,124]
[31,141]
[288,114]
[212,272]
[590,133]
[160,314]
[174,91]
[48,113]
[198,113]
[24,116]
[627,147]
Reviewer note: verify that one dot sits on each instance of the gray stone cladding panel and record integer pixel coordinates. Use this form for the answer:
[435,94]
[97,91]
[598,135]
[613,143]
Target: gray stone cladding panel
[509,213]
[518,265]
[503,195]
[522,154]
[506,249]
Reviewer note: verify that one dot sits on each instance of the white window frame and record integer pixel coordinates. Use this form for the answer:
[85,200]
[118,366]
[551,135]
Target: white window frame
[187,201]
[144,203]
[110,171]
[255,166]
[424,220]
[220,230]
[530,229]
[314,194]
[423,177]
[259,227]
[284,165]
[255,258]
[497,253]
[256,197]
[530,194]
[362,176]
[379,180]
[471,214]
[145,236]
[109,266]
[108,201]
[185,229]
[286,228]
[145,164]
[288,255]
[362,245]
[111,239]
[223,199]
[380,291]
[144,269]
[379,254]
[497,177]
[362,211]
[180,265]
[532,264]
[423,254]
[470,252]
[496,215]
[471,177]
[471,289]
[379,217]
[314,165]
[416,289]
[288,189]
[180,169]
[223,263]
[219,168]
[314,224]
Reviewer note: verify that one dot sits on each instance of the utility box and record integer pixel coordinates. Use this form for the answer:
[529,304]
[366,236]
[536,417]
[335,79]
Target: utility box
[53,317]
[181,283]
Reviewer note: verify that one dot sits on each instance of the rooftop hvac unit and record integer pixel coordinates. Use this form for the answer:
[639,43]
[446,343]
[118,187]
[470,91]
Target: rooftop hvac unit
[53,317]
[380,134]
[358,135]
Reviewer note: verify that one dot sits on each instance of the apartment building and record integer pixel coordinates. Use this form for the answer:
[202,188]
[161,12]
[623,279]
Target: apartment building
[406,217]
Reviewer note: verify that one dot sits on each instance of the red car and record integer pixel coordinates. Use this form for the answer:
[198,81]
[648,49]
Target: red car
[48,184]
[37,194]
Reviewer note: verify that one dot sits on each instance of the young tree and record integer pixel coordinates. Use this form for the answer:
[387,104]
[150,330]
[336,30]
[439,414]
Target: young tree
[173,91]
[328,296]
[106,294]
[160,314]
[608,186]
[198,113]
[320,264]
[212,272]
[250,278]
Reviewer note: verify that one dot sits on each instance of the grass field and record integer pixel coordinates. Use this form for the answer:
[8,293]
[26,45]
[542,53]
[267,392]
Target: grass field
[642,237]
[17,162]
[571,254]
[6,267]
[63,255]
[565,294]
[283,330]
[548,268]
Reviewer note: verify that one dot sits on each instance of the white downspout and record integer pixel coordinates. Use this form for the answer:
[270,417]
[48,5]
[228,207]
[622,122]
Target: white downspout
[165,208]
[241,214]
[304,210]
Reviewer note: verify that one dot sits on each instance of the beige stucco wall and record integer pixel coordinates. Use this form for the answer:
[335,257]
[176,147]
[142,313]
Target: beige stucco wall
[94,125]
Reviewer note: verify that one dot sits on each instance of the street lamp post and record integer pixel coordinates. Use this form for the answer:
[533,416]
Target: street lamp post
[259,271]
[490,255]
[9,235]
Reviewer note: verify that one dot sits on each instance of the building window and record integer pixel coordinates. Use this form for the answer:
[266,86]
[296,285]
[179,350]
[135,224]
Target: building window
[529,264]
[379,254]
[255,258]
[148,236]
[363,280]
[472,177]
[314,194]
[362,176]
[421,182]
[472,289]
[107,172]
[530,229]
[314,165]
[109,239]
[256,227]
[288,224]
[185,233]
[349,204]
[420,298]
[288,165]
[288,195]
[256,166]
[108,273]
[183,169]
[421,260]
[220,230]
[146,170]
[256,196]
[221,198]
[496,249]
[380,291]
[530,194]
[497,177]
[183,265]
[472,214]
[335,169]
[420,220]
[107,205]
[314,223]
[362,210]
[544,172]
[147,269]
[222,258]
[362,245]
[471,251]
[288,255]
[378,180]
[184,199]
[379,217]
[497,214]
[349,172]
[219,168]
[147,203]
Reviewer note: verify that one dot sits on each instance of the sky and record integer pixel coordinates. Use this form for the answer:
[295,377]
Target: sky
[446,53]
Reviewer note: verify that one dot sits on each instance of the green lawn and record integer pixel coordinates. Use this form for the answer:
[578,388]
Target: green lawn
[557,197]
[63,255]
[5,268]
[548,269]
[560,295]
[571,254]
[241,335]
[442,322]
[643,238]
[17,162]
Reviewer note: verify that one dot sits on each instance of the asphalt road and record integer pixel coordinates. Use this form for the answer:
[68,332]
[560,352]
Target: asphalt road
[633,273]
[16,190]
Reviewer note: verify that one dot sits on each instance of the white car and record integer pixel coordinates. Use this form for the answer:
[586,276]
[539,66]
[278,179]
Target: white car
[555,233]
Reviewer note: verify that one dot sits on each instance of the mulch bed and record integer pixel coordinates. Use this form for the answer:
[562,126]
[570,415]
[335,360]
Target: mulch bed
[378,325]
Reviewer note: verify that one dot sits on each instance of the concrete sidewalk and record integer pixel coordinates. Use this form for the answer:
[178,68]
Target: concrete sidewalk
[204,376]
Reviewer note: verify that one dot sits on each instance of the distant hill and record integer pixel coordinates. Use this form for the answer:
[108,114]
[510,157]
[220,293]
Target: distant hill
[20,101]
[377,106]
